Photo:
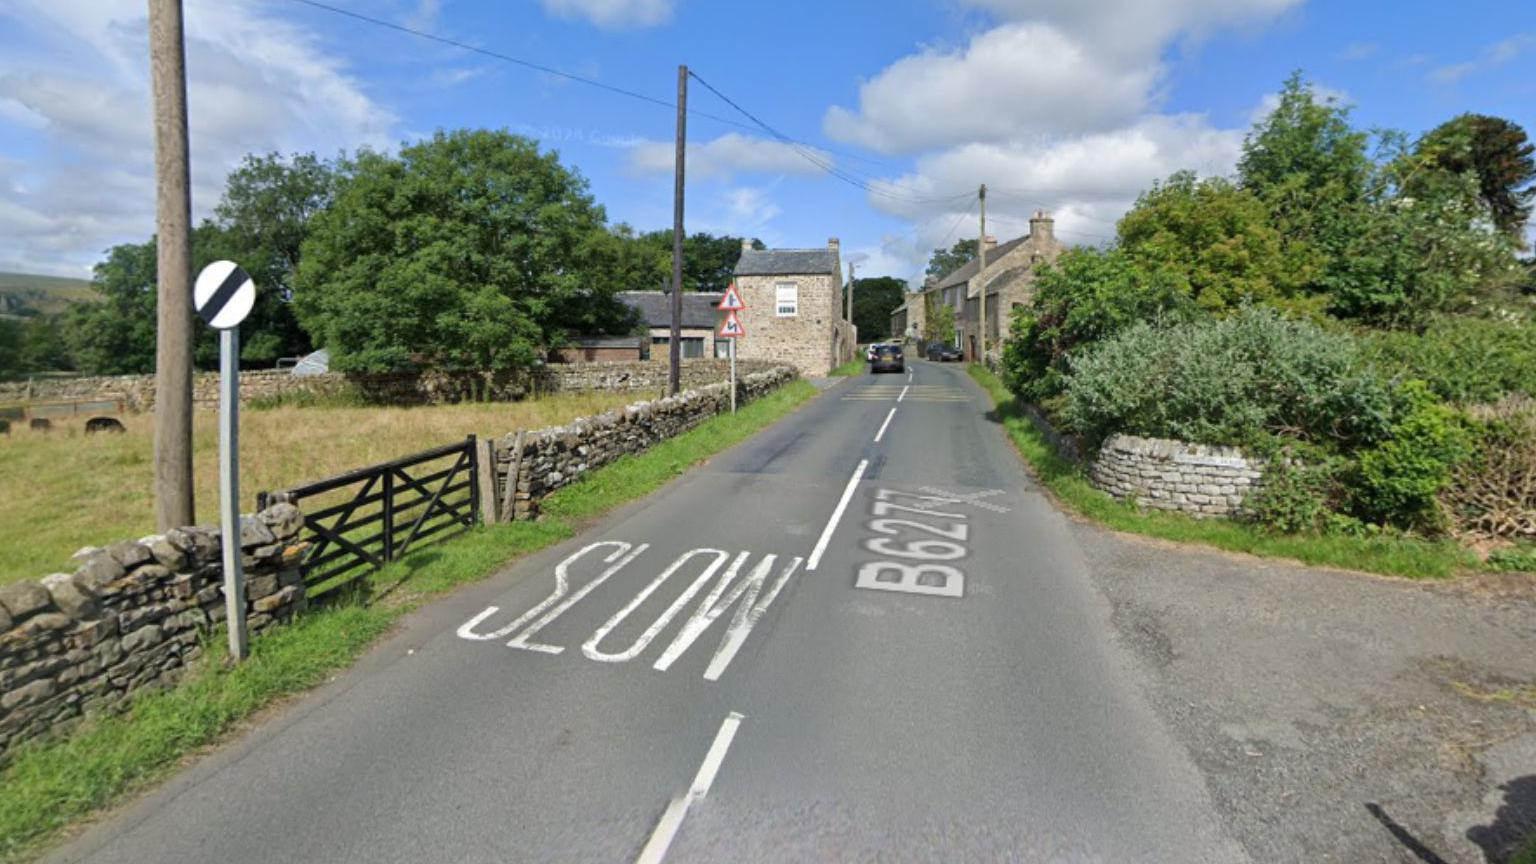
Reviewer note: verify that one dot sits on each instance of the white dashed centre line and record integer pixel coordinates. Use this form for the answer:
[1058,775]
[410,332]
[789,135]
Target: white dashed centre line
[903,392]
[666,829]
[881,433]
[826,533]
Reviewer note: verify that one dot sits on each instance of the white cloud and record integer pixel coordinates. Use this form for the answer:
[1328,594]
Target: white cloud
[1085,182]
[1054,107]
[255,84]
[1015,80]
[728,155]
[1050,67]
[613,13]
[1497,54]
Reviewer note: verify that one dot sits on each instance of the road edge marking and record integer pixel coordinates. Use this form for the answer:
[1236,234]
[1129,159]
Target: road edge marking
[672,819]
[837,515]
[881,433]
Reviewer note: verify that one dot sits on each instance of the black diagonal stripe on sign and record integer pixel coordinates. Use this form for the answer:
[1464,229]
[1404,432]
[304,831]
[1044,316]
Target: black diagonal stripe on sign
[224,293]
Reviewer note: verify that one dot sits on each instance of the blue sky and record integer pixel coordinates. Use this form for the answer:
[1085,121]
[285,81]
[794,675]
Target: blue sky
[1067,105]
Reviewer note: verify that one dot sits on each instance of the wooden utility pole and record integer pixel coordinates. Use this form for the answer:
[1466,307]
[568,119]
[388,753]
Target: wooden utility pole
[675,344]
[173,299]
[981,254]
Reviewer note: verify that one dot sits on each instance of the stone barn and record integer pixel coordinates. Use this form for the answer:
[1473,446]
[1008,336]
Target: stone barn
[794,308]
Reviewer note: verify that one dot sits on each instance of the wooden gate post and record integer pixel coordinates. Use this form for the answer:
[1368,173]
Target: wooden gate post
[485,479]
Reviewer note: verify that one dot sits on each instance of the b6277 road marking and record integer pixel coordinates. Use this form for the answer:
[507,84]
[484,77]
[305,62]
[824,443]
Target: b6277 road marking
[921,538]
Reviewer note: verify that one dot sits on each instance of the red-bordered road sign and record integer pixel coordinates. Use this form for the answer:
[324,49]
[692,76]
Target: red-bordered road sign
[731,327]
[731,302]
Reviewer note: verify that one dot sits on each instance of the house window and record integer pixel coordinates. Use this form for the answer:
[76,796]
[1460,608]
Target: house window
[693,346]
[788,299]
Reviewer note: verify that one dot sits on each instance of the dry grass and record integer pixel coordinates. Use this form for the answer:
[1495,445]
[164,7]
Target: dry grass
[62,490]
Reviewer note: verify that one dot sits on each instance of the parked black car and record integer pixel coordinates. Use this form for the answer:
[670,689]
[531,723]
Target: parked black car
[941,352]
[888,358]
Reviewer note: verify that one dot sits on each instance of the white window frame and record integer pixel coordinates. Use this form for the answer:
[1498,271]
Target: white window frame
[781,308]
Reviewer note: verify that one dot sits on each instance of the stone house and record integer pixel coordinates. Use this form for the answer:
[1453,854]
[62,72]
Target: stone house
[699,322]
[1010,272]
[794,308]
[910,319]
[600,349]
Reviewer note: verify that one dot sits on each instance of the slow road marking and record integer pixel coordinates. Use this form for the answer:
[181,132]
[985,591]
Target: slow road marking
[751,595]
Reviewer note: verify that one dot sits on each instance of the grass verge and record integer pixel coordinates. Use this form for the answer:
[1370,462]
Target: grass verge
[51,785]
[852,367]
[1394,556]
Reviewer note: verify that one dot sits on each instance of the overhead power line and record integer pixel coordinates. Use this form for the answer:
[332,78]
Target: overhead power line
[866,184]
[548,70]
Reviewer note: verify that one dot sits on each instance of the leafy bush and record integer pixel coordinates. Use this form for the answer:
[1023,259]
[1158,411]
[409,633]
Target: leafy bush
[1085,296]
[1462,359]
[1235,380]
[1399,478]
[1492,494]
[1302,491]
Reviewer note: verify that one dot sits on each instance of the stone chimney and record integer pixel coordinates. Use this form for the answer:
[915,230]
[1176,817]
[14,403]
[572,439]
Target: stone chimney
[746,244]
[833,245]
[989,242]
[1042,228]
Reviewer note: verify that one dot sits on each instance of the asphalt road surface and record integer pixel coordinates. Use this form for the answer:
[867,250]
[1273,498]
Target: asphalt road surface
[862,635]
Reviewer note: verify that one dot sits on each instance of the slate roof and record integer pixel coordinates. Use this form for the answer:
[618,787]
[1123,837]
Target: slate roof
[786,262]
[655,307]
[964,272]
[1008,277]
[604,342]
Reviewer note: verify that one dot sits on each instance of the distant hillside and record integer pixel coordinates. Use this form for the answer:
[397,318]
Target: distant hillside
[23,294]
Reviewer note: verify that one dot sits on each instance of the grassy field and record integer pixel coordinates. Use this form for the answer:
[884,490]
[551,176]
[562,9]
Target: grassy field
[53,785]
[23,293]
[62,490]
[1394,556]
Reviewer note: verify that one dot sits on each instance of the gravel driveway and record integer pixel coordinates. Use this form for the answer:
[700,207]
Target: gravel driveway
[1338,716]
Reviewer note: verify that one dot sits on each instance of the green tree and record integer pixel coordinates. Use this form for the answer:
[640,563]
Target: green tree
[946,261]
[116,335]
[43,345]
[469,250]
[11,334]
[1499,155]
[939,323]
[1213,242]
[1311,169]
[709,261]
[1084,297]
[874,299]
[263,220]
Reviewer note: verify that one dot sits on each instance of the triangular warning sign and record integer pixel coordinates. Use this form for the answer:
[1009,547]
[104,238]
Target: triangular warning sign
[731,301]
[731,328]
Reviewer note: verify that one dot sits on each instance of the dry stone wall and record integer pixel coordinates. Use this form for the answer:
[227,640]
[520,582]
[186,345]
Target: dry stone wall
[130,618]
[137,392]
[547,459]
[1196,479]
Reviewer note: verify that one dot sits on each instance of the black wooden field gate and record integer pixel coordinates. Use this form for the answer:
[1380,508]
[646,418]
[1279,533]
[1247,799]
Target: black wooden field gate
[359,521]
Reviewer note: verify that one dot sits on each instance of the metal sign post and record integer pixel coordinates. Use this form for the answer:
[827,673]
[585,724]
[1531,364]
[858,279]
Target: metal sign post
[731,329]
[224,295]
